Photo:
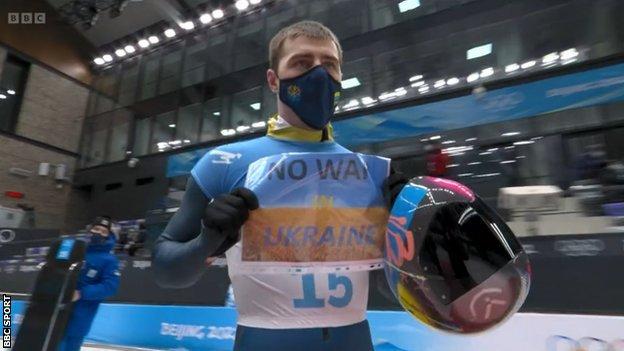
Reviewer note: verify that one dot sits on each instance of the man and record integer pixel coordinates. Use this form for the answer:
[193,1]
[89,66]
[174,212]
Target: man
[99,279]
[306,55]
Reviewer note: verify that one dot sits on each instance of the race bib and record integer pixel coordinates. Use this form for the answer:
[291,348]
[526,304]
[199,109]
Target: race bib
[318,213]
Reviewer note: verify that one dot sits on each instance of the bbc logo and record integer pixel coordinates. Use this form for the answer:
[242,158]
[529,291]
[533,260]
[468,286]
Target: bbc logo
[27,17]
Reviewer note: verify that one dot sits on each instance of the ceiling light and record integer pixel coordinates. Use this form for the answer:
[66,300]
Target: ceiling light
[486,72]
[508,161]
[472,77]
[255,106]
[241,4]
[205,18]
[474,163]
[243,128]
[255,2]
[527,64]
[153,39]
[172,125]
[218,13]
[479,51]
[107,58]
[260,124]
[120,53]
[11,92]
[2,96]
[144,43]
[408,5]
[367,100]
[435,137]
[524,142]
[446,142]
[98,61]
[471,139]
[512,68]
[188,25]
[417,84]
[170,33]
[439,84]
[228,132]
[129,49]
[452,81]
[510,134]
[415,78]
[350,83]
[217,113]
[550,58]
[423,89]
[569,54]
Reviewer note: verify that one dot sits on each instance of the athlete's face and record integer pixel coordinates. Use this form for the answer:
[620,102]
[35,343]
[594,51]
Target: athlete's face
[300,55]
[98,229]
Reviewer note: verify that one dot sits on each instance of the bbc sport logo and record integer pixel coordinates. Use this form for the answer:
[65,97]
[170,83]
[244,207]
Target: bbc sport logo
[26,18]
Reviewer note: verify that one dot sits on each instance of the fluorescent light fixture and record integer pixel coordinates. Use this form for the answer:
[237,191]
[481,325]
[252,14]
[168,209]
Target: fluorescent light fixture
[520,157]
[129,49]
[550,58]
[144,43]
[439,84]
[175,142]
[2,96]
[188,25]
[524,142]
[509,147]
[452,81]
[464,174]
[510,134]
[107,58]
[486,175]
[241,129]
[260,124]
[569,54]
[486,72]
[351,104]
[400,91]
[508,161]
[387,96]
[217,14]
[98,61]
[228,132]
[512,68]
[479,51]
[485,153]
[416,77]
[447,142]
[153,39]
[472,77]
[172,125]
[453,165]
[255,2]
[350,83]
[120,52]
[186,141]
[170,33]
[537,138]
[367,100]
[474,163]
[205,18]
[471,139]
[493,149]
[408,5]
[256,106]
[423,89]
[435,137]
[11,92]
[527,64]
[417,84]
[162,145]
[216,113]
[241,4]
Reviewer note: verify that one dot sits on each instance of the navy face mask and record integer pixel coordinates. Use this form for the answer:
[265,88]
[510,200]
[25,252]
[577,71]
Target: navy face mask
[312,96]
[97,238]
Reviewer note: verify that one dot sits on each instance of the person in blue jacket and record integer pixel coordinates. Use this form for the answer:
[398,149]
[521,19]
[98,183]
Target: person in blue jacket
[98,280]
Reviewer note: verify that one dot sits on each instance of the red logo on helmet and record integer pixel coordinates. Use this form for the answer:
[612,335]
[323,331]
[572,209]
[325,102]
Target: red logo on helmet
[403,248]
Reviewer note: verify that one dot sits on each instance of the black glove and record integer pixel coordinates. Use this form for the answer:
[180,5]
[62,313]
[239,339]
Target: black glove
[226,214]
[392,186]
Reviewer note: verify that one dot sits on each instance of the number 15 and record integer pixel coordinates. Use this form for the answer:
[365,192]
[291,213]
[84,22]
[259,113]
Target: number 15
[310,300]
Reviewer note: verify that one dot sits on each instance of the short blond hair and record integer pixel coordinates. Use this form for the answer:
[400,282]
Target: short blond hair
[308,29]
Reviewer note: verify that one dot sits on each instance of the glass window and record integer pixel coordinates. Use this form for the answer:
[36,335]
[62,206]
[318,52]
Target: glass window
[150,75]
[170,71]
[250,47]
[164,132]
[141,136]
[96,138]
[218,52]
[103,104]
[128,83]
[194,61]
[14,77]
[106,81]
[246,107]
[118,143]
[211,124]
[188,123]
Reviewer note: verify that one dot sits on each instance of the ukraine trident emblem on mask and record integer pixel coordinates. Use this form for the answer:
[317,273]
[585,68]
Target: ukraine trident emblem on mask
[294,92]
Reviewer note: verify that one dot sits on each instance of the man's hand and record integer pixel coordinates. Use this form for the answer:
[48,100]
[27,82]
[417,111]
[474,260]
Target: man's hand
[227,213]
[392,186]
[76,296]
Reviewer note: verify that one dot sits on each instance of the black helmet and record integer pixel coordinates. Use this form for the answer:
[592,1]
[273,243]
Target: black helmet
[103,221]
[451,261]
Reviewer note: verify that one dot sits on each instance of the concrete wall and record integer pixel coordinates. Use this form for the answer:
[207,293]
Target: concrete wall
[51,114]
